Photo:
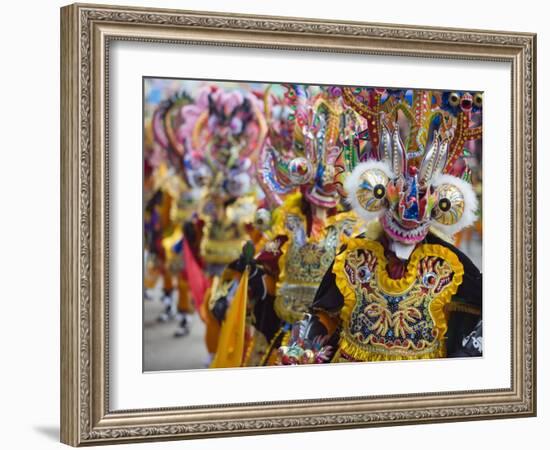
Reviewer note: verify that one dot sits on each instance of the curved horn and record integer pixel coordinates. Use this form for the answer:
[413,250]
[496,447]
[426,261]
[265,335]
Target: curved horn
[441,159]
[165,135]
[398,153]
[384,148]
[431,159]
[170,133]
[297,99]
[159,132]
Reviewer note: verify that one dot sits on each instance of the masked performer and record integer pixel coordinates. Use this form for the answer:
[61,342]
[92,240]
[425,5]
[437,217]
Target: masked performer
[183,209]
[179,199]
[306,229]
[156,220]
[404,292]
[219,140]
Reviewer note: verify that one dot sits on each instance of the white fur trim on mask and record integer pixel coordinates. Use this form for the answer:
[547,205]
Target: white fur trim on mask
[352,185]
[470,204]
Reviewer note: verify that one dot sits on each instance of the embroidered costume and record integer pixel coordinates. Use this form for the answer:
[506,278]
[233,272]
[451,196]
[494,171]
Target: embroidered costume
[313,224]
[401,290]
[306,229]
[219,140]
[212,143]
[172,202]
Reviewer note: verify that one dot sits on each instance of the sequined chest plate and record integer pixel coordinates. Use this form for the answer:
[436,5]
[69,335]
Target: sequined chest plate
[225,230]
[395,319]
[304,264]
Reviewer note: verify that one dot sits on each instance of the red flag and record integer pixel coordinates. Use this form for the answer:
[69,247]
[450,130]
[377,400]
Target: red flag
[198,281]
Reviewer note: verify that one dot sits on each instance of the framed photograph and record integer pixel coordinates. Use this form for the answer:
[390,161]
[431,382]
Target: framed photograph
[278,224]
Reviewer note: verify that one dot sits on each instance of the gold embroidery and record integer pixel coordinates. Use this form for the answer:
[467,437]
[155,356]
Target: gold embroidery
[394,319]
[305,259]
[463,307]
[225,229]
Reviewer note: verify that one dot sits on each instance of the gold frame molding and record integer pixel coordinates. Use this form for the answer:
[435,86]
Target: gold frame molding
[86,31]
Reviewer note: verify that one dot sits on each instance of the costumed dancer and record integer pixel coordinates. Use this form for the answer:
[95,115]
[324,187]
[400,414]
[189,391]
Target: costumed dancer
[305,230]
[179,199]
[182,211]
[220,138]
[403,291]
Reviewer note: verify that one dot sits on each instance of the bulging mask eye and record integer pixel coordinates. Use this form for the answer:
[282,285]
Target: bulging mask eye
[478,99]
[300,171]
[372,190]
[456,204]
[366,187]
[449,207]
[262,219]
[454,99]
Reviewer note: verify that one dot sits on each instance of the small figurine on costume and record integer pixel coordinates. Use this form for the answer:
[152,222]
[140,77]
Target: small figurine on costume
[401,290]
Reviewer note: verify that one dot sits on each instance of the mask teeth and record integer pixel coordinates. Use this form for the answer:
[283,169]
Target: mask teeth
[412,235]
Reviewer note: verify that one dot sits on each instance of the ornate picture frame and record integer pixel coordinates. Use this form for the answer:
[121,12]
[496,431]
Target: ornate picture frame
[87,32]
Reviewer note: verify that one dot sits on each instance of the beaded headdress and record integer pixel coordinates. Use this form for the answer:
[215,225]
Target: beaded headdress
[220,136]
[411,175]
[303,145]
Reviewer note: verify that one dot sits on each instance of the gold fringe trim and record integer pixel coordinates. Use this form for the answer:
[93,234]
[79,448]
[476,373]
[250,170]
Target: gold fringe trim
[272,358]
[360,354]
[286,338]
